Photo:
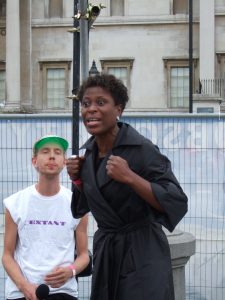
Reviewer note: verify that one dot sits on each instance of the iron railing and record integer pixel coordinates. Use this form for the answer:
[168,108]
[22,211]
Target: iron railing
[212,87]
[196,147]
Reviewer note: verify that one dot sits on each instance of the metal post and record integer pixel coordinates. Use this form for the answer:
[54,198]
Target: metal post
[84,41]
[80,58]
[76,83]
[190,57]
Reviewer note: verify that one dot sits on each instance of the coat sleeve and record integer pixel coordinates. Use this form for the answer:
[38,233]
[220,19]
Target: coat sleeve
[79,205]
[165,187]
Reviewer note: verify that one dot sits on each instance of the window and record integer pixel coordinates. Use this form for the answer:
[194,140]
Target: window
[55,82]
[119,68]
[179,87]
[2,84]
[119,72]
[117,7]
[180,7]
[55,88]
[3,8]
[221,62]
[55,9]
[177,77]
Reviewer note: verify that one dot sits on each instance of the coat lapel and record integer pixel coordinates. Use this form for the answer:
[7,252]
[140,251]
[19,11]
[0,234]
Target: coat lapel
[101,175]
[98,205]
[126,136]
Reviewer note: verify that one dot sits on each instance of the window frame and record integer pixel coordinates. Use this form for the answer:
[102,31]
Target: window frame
[3,12]
[44,66]
[173,7]
[112,3]
[170,63]
[182,98]
[3,68]
[47,10]
[221,62]
[127,63]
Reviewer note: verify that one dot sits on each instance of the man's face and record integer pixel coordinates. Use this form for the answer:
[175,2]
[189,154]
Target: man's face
[49,160]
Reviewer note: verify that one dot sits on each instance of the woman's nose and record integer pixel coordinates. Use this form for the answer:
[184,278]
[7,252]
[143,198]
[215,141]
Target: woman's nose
[92,107]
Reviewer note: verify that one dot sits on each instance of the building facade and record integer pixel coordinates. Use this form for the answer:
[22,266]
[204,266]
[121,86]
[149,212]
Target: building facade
[145,43]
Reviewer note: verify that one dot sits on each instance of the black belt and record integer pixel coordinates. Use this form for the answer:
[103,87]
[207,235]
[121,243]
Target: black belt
[128,227]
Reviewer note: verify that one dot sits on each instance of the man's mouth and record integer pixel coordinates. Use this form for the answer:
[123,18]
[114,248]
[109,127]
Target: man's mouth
[51,165]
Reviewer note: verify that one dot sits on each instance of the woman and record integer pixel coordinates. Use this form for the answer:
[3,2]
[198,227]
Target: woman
[131,191]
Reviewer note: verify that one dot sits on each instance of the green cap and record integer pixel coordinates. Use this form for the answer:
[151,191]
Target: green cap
[50,139]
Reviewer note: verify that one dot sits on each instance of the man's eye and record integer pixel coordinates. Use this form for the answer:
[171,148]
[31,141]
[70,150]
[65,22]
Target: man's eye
[58,152]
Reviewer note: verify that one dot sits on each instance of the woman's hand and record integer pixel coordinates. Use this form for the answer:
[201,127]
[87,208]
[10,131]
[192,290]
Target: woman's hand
[118,169]
[73,165]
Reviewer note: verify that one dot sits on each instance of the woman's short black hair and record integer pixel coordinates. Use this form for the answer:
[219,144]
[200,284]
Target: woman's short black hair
[111,84]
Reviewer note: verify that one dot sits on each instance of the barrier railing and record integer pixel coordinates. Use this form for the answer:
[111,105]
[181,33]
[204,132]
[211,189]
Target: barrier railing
[196,147]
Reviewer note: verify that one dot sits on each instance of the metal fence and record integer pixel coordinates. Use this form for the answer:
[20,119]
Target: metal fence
[196,146]
[212,87]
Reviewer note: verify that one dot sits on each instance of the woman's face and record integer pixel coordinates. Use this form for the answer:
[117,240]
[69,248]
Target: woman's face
[99,111]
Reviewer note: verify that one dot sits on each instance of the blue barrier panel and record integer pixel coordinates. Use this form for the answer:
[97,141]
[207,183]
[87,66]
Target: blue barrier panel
[195,145]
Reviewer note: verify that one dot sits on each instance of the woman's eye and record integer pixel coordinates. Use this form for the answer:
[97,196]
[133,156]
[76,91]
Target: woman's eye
[85,104]
[101,102]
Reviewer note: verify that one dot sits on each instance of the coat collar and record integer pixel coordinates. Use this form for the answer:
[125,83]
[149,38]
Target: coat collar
[126,136]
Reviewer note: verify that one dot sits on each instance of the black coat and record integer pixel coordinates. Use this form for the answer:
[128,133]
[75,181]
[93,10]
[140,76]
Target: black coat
[131,252]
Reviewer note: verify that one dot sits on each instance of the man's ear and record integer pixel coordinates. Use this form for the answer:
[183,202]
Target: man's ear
[34,161]
[64,162]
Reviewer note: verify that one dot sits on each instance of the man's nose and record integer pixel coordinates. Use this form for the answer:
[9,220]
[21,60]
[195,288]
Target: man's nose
[52,154]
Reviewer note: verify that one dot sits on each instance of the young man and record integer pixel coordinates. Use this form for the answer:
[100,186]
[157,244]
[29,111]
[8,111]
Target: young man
[39,231]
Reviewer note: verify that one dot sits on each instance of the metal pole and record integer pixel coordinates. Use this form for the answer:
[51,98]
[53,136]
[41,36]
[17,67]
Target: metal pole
[190,57]
[84,41]
[76,83]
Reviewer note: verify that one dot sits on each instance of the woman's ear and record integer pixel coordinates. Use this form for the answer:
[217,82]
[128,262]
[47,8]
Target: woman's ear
[120,110]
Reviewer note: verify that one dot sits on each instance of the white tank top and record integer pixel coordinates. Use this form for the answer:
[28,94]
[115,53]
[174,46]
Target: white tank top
[46,236]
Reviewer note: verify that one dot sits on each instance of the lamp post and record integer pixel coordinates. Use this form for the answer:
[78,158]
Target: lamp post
[93,70]
[84,16]
[76,83]
[190,57]
[84,40]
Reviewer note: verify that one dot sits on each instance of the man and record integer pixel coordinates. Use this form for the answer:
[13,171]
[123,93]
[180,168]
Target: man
[40,231]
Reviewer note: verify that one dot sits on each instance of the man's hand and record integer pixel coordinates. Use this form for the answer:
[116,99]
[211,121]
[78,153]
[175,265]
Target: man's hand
[58,276]
[28,289]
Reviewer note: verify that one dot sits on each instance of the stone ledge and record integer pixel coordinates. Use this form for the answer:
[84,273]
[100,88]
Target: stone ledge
[182,244]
